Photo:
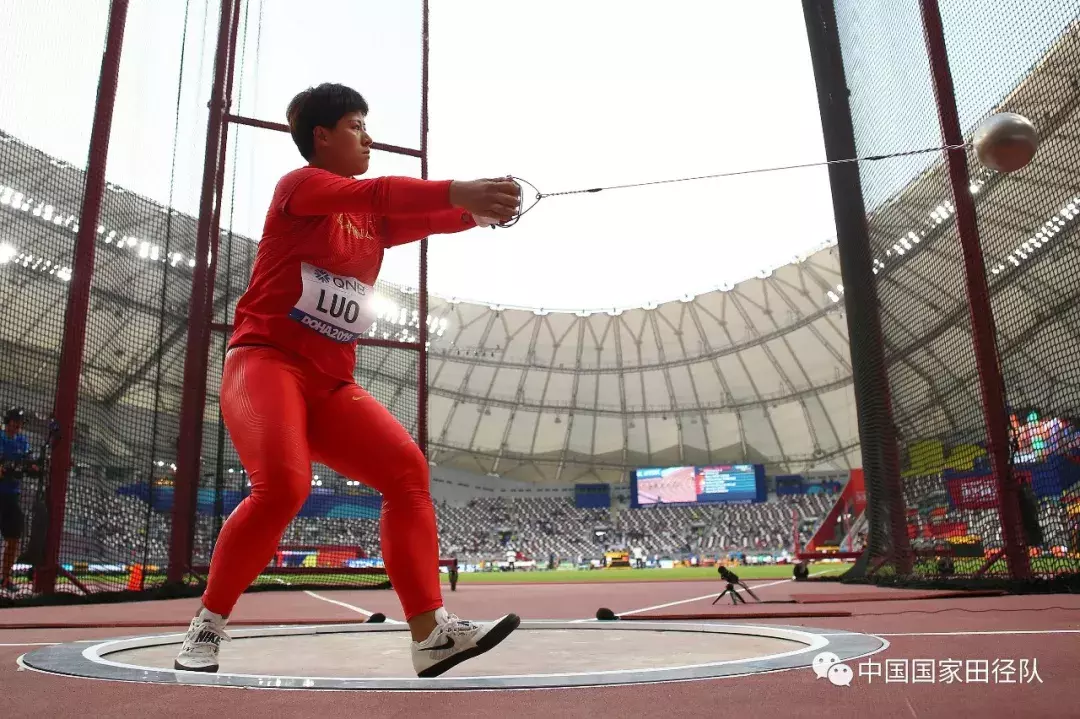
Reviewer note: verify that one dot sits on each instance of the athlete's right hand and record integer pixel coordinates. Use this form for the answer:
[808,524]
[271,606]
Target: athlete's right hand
[497,198]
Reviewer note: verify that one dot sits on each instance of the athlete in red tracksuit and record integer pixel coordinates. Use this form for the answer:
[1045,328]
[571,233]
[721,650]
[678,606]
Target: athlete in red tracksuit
[288,395]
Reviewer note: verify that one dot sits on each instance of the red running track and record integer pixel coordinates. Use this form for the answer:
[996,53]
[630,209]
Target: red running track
[1044,628]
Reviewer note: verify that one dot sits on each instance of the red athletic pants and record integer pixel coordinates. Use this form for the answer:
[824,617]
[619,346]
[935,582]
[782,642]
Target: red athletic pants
[280,418]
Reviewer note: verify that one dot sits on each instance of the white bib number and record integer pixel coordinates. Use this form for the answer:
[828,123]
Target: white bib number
[339,308]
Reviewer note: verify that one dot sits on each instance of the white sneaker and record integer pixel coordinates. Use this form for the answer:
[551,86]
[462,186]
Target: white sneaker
[454,640]
[200,650]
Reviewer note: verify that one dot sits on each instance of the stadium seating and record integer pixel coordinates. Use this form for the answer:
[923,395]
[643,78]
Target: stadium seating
[477,530]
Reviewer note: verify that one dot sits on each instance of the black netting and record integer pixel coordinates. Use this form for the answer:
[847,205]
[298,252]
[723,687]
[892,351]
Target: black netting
[948,500]
[118,513]
[335,539]
[46,114]
[117,528]
[1032,249]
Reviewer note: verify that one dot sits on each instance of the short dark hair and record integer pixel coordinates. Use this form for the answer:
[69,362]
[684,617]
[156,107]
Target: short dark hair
[320,106]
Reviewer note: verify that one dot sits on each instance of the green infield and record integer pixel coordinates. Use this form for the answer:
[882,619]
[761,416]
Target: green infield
[356,580]
[765,571]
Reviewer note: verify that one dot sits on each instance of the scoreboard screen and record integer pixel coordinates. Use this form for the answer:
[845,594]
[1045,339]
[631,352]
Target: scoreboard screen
[734,483]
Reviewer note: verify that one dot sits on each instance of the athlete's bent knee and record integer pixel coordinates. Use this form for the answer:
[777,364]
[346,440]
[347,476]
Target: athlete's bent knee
[284,493]
[413,476]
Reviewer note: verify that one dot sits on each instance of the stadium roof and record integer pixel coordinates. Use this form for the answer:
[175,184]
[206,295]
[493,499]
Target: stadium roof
[758,372]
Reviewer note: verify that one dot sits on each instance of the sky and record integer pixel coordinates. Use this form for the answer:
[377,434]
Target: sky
[565,94]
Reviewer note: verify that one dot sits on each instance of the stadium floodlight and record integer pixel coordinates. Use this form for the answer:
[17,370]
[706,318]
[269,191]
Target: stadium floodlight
[6,253]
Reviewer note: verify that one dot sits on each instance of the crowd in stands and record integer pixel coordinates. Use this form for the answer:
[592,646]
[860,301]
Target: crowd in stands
[105,526]
[541,528]
[930,512]
[112,527]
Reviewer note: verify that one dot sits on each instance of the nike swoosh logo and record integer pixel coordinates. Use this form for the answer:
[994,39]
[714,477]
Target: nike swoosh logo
[354,399]
[448,644]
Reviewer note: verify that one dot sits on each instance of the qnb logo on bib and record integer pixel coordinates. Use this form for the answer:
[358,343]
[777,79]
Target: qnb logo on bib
[340,308]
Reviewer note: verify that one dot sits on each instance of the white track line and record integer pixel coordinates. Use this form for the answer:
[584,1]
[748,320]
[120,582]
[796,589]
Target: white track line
[753,587]
[31,644]
[50,644]
[353,607]
[695,599]
[988,633]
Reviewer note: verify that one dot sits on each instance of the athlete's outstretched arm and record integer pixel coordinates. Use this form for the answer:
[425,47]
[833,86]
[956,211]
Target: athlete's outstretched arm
[402,230]
[324,193]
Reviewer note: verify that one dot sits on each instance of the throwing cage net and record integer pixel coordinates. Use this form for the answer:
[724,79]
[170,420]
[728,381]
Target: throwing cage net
[138,156]
[959,282]
[136,165]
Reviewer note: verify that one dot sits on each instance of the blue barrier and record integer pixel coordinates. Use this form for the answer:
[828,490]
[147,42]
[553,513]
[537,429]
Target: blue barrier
[321,503]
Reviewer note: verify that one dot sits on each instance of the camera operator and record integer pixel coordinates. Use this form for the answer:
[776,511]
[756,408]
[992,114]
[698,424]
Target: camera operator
[14,452]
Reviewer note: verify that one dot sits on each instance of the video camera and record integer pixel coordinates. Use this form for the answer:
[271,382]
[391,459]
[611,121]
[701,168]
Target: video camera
[733,580]
[20,468]
[727,575]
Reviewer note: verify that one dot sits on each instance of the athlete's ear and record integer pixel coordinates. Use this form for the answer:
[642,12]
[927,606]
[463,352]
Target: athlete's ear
[322,136]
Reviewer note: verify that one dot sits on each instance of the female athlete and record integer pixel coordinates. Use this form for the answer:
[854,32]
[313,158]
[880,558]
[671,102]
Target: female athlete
[288,395]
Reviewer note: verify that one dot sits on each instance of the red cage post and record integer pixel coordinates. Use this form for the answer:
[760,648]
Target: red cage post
[211,276]
[189,449]
[78,303]
[991,384]
[422,333]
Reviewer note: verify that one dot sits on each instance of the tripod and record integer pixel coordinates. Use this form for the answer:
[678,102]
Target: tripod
[732,579]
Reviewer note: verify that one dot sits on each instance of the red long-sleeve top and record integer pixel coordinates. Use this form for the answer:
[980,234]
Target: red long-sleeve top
[311,290]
